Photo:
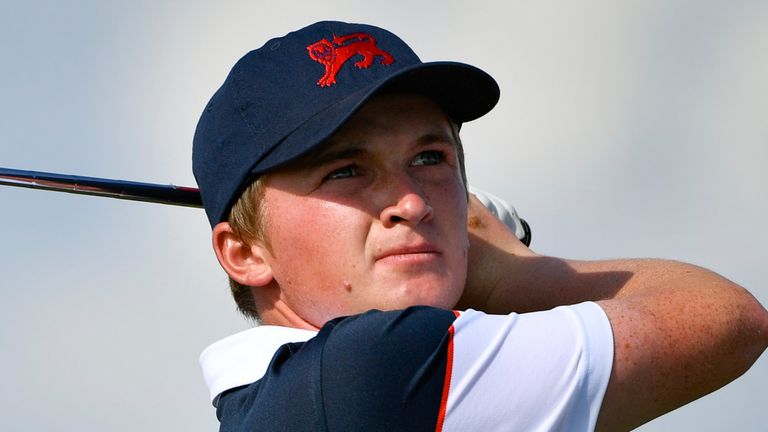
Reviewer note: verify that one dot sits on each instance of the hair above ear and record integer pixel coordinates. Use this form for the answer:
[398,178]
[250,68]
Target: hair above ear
[245,262]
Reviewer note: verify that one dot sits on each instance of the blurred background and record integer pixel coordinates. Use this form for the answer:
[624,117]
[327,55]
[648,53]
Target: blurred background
[624,129]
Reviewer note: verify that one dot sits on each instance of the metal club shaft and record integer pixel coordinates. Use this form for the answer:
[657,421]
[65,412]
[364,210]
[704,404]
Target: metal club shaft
[120,189]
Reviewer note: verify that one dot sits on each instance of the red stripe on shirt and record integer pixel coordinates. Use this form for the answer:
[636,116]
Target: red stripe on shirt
[447,381]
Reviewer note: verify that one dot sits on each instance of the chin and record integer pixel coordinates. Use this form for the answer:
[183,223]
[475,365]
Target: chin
[399,291]
[437,296]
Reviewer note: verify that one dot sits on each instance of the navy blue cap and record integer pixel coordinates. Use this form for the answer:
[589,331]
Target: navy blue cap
[284,99]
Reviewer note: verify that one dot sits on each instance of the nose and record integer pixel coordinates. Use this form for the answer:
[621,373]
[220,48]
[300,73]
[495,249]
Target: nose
[411,208]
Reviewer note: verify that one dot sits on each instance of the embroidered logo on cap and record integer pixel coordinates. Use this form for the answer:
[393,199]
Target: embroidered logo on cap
[334,55]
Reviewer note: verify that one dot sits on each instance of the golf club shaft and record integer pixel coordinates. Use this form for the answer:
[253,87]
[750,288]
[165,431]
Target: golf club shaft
[120,189]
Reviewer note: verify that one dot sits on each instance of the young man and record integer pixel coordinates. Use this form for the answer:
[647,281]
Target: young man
[332,174]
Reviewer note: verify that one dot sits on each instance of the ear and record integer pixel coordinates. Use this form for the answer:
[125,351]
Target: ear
[244,262]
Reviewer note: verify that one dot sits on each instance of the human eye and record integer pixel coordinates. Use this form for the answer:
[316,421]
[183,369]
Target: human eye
[430,157]
[342,173]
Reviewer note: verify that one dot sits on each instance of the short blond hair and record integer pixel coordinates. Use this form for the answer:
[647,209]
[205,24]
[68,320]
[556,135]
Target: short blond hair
[246,218]
[248,221]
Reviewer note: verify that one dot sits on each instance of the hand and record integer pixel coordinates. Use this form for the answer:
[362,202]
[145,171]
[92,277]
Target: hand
[494,253]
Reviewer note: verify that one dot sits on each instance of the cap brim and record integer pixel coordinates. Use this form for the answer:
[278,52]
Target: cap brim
[463,91]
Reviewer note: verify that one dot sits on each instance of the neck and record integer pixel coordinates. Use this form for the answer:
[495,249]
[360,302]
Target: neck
[273,310]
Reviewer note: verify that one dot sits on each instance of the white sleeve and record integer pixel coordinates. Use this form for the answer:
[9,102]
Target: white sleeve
[542,371]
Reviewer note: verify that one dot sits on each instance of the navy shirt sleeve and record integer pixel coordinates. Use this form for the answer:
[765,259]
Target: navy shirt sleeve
[375,371]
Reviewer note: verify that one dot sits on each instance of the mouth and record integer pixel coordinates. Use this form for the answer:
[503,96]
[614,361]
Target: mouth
[411,254]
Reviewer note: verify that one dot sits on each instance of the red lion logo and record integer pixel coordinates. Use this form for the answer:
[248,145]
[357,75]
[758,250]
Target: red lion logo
[334,55]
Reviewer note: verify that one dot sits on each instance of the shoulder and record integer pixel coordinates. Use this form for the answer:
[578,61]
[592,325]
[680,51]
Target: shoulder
[377,333]
[373,371]
[388,368]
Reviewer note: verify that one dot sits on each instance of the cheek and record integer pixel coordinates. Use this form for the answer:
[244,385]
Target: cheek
[456,216]
[314,239]
[452,199]
[296,229]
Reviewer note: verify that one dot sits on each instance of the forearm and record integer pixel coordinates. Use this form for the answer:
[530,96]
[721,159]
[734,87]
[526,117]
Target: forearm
[503,282]
[505,276]
[516,283]
[529,282]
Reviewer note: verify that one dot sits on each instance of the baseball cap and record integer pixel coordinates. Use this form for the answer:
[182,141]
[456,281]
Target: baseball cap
[286,98]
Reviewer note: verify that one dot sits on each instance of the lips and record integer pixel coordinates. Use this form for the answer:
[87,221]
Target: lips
[409,253]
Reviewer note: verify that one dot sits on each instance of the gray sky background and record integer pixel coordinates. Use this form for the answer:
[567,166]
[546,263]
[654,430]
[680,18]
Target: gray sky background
[625,129]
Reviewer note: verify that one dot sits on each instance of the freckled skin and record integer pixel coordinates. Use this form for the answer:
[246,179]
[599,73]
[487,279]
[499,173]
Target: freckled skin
[338,230]
[474,222]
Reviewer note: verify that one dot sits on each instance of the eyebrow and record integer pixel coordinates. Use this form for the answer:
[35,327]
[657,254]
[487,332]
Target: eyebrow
[325,157]
[434,137]
[350,151]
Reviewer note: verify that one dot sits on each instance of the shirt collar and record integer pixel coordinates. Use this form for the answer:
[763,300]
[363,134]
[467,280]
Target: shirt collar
[243,358]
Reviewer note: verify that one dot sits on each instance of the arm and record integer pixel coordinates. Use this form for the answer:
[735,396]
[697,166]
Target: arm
[505,276]
[680,331]
[683,333]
